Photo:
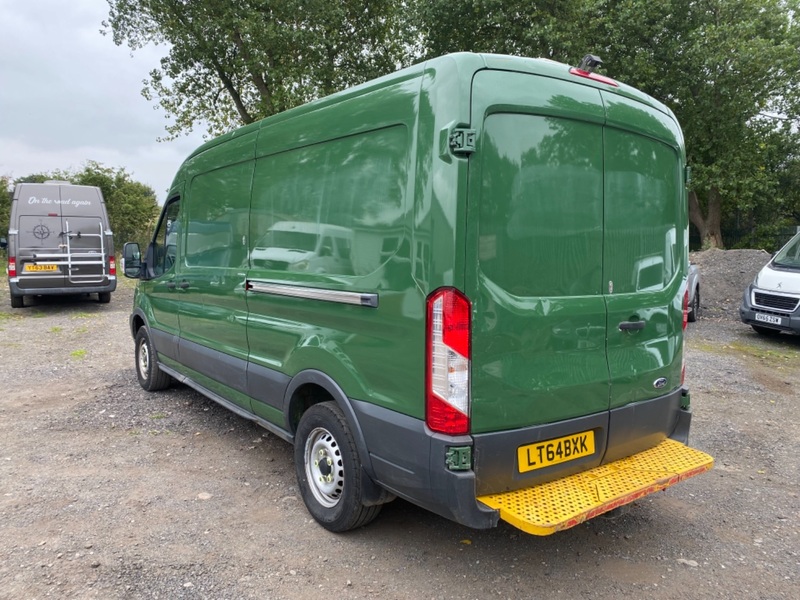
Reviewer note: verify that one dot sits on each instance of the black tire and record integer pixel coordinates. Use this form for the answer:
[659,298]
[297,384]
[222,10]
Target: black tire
[104,297]
[329,471]
[694,309]
[150,376]
[768,331]
[17,301]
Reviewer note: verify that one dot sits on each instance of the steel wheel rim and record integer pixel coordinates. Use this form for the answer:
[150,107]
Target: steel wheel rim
[324,467]
[144,359]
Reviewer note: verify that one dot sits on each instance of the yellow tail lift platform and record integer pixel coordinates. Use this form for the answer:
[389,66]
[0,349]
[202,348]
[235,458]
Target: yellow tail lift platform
[564,503]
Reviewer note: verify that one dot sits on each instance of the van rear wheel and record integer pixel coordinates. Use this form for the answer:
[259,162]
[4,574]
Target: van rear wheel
[150,376]
[17,301]
[104,297]
[329,472]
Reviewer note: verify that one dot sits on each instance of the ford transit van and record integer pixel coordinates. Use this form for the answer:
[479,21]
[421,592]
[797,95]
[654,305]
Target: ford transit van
[494,328]
[59,242]
[771,303]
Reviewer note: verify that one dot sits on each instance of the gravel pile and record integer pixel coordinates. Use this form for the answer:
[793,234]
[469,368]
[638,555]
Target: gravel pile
[724,276]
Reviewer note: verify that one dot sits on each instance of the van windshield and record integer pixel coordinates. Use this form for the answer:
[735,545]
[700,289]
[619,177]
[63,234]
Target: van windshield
[789,255]
[295,240]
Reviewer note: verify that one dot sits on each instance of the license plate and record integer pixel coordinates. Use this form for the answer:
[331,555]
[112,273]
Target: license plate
[768,319]
[555,451]
[29,268]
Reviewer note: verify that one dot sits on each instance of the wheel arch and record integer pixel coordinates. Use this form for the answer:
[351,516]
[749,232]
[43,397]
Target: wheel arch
[311,387]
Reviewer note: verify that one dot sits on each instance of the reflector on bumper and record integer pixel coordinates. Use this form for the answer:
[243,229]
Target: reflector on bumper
[564,503]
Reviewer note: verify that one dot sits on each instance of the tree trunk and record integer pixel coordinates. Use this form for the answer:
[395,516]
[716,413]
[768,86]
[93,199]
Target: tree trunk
[708,226]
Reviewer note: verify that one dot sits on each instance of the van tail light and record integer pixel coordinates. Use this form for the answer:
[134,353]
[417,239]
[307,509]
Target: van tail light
[12,266]
[447,362]
[685,323]
[112,266]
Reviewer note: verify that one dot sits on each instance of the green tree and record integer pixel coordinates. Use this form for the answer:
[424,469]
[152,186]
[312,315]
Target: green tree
[5,203]
[540,28]
[131,205]
[727,68]
[234,62]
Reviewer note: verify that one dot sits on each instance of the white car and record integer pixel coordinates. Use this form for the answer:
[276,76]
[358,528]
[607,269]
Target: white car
[771,303]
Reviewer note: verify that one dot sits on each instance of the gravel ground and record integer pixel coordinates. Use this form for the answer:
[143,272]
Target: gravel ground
[109,492]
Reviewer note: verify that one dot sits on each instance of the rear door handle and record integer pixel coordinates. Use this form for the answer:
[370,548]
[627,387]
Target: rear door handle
[171,285]
[184,284]
[632,325]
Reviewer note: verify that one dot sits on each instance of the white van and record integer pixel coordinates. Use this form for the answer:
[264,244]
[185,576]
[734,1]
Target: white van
[59,242]
[771,303]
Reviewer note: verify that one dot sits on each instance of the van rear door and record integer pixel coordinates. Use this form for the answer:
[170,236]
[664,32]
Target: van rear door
[536,234]
[574,200]
[39,237]
[644,255]
[85,243]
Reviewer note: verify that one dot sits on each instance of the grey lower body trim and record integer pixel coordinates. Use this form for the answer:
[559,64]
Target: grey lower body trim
[226,369]
[266,385]
[409,461]
[165,343]
[642,425]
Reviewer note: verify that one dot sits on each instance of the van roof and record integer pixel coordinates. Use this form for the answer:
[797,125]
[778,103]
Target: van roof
[464,63]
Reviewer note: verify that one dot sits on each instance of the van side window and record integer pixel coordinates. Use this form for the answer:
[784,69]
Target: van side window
[330,207]
[217,217]
[165,242]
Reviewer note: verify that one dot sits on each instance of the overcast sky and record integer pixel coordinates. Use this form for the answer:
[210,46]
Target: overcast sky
[69,95]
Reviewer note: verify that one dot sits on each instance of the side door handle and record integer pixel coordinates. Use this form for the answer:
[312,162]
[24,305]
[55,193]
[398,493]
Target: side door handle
[632,325]
[184,284]
[171,285]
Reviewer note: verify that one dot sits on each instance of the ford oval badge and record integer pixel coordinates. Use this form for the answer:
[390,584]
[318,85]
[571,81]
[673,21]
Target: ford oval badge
[660,383]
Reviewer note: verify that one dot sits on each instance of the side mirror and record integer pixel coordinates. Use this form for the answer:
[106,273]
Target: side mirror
[132,260]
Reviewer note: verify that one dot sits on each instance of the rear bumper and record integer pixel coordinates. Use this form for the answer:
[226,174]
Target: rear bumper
[16,290]
[411,461]
[789,322]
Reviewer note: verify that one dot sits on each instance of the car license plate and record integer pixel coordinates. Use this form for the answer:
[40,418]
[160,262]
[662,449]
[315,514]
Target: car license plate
[555,451]
[772,320]
[29,268]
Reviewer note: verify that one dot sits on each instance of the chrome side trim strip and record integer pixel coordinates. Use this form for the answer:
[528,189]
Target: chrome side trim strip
[296,291]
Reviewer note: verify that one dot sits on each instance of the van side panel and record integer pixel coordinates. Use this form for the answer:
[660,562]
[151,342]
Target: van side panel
[330,221]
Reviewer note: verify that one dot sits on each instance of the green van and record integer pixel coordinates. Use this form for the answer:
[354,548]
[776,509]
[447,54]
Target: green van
[463,284]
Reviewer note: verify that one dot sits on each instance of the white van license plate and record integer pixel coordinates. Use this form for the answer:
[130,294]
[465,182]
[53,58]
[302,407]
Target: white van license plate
[768,319]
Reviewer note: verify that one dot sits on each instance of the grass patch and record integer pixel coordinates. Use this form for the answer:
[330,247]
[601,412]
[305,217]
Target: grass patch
[763,353]
[158,416]
[56,329]
[78,354]
[82,315]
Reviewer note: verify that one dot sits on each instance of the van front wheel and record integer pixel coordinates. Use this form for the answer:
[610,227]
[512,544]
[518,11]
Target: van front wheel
[329,471]
[150,376]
